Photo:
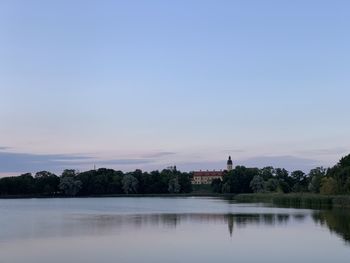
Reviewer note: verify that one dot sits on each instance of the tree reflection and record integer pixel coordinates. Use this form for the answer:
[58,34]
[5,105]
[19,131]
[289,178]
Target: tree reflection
[239,220]
[242,220]
[109,224]
[102,224]
[337,221]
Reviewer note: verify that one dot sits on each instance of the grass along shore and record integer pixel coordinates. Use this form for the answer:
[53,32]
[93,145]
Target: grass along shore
[302,200]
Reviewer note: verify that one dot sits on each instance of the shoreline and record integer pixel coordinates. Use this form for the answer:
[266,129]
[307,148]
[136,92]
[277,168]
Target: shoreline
[299,200]
[118,195]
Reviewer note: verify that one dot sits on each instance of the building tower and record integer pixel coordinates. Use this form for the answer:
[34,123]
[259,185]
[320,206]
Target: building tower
[229,164]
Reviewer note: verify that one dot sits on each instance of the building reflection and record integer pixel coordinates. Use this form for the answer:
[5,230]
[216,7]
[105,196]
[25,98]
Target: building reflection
[243,220]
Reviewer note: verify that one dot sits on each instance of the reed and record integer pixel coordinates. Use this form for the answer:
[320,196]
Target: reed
[297,200]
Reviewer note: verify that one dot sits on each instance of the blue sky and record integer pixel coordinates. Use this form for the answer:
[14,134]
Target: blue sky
[147,84]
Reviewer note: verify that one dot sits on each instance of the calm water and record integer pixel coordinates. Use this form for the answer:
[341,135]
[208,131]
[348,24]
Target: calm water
[168,230]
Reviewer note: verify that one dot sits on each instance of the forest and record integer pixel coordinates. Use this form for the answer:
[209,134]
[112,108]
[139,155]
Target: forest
[96,182]
[330,181]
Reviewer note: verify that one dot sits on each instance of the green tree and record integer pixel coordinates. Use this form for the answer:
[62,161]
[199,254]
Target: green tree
[216,185]
[344,161]
[24,184]
[267,173]
[315,176]
[300,181]
[185,182]
[257,184]
[69,186]
[226,188]
[46,183]
[271,185]
[69,173]
[130,184]
[341,172]
[238,180]
[328,186]
[174,186]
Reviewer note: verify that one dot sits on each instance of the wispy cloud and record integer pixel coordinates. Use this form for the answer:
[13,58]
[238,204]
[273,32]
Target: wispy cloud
[157,154]
[230,151]
[290,163]
[201,165]
[12,162]
[21,162]
[326,151]
[4,148]
[124,161]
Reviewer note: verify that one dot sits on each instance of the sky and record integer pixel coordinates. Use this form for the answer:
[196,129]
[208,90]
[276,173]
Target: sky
[148,84]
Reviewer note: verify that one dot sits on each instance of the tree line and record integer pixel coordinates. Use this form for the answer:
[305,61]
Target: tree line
[96,182]
[331,181]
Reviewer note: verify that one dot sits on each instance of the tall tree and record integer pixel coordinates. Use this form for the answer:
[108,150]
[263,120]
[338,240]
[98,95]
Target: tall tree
[130,184]
[257,184]
[316,176]
[69,186]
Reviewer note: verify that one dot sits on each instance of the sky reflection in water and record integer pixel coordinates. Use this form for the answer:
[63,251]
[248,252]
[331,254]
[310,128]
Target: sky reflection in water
[168,229]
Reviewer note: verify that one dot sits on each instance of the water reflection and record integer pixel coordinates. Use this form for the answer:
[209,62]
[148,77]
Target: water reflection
[337,221]
[103,224]
[35,219]
[110,224]
[242,220]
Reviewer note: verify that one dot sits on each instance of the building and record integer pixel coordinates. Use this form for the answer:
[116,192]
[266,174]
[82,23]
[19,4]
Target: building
[206,177]
[229,164]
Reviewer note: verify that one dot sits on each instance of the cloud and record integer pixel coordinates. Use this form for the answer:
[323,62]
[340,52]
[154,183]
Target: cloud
[157,154]
[326,151]
[4,148]
[22,162]
[11,162]
[290,163]
[229,151]
[202,165]
[124,161]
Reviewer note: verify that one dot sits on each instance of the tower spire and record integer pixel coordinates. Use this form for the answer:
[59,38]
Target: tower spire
[229,164]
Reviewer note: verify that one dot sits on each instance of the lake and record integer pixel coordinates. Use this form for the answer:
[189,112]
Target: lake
[191,229]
